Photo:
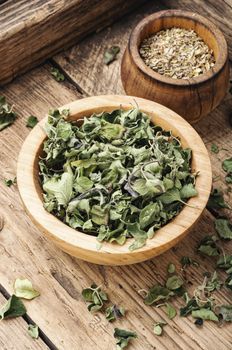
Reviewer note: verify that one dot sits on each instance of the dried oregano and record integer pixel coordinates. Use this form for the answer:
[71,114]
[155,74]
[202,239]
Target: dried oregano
[177,53]
[115,176]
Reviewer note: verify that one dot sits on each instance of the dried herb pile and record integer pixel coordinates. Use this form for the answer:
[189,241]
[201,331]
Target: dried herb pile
[177,53]
[115,176]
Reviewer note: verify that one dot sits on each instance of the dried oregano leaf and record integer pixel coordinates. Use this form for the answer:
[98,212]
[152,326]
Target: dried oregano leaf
[216,200]
[33,331]
[208,246]
[31,121]
[223,228]
[214,148]
[7,116]
[113,312]
[171,268]
[123,337]
[158,327]
[13,308]
[95,296]
[111,54]
[157,293]
[204,314]
[57,74]
[23,289]
[170,311]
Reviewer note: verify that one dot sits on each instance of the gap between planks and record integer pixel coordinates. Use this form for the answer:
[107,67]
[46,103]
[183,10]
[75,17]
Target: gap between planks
[28,320]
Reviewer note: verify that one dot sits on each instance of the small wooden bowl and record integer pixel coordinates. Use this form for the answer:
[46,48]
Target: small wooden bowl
[82,245]
[191,98]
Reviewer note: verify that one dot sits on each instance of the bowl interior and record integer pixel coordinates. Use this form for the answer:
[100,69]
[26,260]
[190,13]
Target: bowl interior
[76,242]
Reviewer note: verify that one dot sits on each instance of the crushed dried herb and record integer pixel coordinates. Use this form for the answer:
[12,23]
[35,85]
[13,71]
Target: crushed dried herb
[177,53]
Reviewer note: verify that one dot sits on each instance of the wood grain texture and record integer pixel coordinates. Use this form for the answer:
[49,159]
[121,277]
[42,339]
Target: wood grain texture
[84,246]
[192,98]
[31,31]
[14,334]
[60,311]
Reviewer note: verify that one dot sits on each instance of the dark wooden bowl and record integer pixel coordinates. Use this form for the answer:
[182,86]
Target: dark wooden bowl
[191,98]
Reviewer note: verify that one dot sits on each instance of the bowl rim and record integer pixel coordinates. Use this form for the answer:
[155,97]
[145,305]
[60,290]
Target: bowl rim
[85,246]
[150,73]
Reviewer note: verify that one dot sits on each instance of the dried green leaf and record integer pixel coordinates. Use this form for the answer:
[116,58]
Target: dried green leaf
[95,296]
[32,121]
[83,184]
[33,331]
[7,116]
[187,261]
[171,268]
[208,246]
[214,148]
[170,311]
[174,282]
[61,188]
[158,327]
[112,313]
[216,200]
[157,293]
[223,228]
[111,54]
[228,282]
[227,165]
[214,283]
[13,308]
[224,262]
[9,182]
[23,289]
[188,191]
[123,338]
[149,214]
[204,314]
[57,74]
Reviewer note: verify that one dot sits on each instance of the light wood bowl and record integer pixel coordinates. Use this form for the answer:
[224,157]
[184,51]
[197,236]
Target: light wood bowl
[84,246]
[191,98]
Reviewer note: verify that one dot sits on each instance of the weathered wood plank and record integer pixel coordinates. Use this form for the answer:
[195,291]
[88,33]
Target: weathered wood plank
[84,62]
[31,31]
[14,335]
[60,311]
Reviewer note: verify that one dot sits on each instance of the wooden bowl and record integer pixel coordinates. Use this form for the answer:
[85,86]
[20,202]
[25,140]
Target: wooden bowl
[191,98]
[82,245]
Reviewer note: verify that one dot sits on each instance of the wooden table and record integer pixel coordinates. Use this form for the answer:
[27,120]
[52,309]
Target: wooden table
[60,312]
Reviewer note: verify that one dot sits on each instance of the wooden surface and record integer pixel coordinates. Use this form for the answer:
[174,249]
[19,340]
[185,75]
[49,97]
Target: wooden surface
[85,246]
[15,330]
[192,98]
[60,311]
[32,31]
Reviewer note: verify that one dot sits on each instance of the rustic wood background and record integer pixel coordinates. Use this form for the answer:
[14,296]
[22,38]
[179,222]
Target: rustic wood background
[60,312]
[32,31]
